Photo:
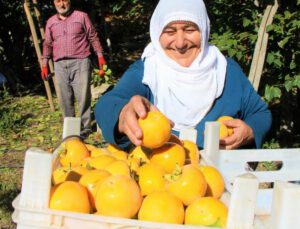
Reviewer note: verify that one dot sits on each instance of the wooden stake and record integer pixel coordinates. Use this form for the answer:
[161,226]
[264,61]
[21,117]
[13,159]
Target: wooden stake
[261,46]
[38,51]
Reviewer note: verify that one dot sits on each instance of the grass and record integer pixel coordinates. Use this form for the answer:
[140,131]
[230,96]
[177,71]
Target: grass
[26,121]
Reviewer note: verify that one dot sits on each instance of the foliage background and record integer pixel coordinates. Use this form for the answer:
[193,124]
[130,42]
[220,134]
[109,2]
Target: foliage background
[234,27]
[25,117]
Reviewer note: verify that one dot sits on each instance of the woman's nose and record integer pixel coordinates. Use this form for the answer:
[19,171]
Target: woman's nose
[179,43]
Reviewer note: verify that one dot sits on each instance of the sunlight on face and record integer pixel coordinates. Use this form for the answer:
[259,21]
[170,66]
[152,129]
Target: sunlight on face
[181,41]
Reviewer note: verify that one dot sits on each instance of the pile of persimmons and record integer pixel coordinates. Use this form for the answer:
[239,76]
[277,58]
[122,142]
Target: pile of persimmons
[161,181]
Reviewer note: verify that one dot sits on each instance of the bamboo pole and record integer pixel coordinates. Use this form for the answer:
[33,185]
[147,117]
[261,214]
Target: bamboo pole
[261,46]
[42,32]
[38,51]
[263,50]
[258,45]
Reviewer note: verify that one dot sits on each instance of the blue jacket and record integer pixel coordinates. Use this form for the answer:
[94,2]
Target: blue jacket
[238,100]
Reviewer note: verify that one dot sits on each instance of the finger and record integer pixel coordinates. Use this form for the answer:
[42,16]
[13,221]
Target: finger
[229,140]
[230,147]
[133,126]
[222,142]
[172,123]
[153,108]
[222,146]
[140,106]
[132,137]
[232,123]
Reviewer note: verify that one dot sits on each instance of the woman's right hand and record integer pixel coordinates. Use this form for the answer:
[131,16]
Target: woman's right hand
[136,108]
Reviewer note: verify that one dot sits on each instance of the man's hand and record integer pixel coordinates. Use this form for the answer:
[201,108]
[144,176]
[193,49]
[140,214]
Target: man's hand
[101,62]
[242,135]
[136,108]
[45,72]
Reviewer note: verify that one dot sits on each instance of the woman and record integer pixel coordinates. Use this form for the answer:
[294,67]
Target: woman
[187,79]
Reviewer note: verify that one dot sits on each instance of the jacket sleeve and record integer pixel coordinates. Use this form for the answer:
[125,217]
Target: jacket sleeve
[254,112]
[93,36]
[47,44]
[111,103]
[257,116]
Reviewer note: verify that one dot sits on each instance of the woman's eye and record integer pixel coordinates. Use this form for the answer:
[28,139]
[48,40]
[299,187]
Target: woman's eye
[169,32]
[190,30]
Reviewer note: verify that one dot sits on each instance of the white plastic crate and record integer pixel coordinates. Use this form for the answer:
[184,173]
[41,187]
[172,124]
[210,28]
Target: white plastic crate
[249,207]
[235,162]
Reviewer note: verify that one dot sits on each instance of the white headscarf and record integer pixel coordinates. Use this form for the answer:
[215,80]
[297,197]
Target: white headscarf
[183,94]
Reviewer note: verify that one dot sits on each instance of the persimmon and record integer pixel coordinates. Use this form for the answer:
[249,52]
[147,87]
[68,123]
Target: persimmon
[111,148]
[215,181]
[92,181]
[79,170]
[96,152]
[118,167]
[118,196]
[163,207]
[62,174]
[101,161]
[192,151]
[72,151]
[59,175]
[85,163]
[117,152]
[206,211]
[224,130]
[134,164]
[140,153]
[168,156]
[66,196]
[90,147]
[187,183]
[101,72]
[156,129]
[120,155]
[150,178]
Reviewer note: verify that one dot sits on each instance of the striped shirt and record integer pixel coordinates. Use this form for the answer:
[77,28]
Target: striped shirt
[70,38]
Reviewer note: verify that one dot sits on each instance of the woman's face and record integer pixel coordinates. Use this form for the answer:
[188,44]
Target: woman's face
[181,41]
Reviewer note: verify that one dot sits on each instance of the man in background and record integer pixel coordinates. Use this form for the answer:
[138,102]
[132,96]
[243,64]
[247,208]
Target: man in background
[69,35]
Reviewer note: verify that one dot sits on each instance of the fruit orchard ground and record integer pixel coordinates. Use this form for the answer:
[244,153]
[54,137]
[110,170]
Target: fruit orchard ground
[26,121]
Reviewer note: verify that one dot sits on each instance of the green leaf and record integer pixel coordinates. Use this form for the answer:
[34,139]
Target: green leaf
[288,85]
[270,28]
[104,67]
[287,14]
[282,43]
[293,65]
[272,92]
[239,55]
[231,52]
[108,72]
[270,58]
[277,62]
[246,22]
[296,81]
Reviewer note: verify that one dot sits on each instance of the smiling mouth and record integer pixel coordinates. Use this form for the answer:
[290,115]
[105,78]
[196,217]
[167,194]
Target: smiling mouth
[184,49]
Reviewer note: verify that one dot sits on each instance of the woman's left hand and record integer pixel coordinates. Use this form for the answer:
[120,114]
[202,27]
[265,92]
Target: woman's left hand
[242,135]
